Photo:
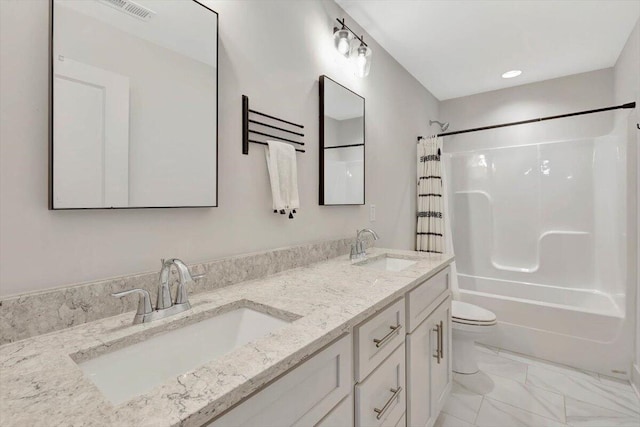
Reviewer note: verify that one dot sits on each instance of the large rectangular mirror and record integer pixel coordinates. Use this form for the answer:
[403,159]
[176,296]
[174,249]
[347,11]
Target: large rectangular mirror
[342,145]
[134,104]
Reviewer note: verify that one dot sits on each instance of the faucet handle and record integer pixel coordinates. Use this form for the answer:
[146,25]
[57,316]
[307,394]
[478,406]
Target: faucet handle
[144,303]
[181,292]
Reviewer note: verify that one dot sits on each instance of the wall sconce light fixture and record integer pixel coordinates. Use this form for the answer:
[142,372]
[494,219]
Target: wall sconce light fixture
[342,39]
[360,54]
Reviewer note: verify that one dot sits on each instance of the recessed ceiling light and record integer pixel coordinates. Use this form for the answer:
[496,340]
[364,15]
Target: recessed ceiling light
[511,74]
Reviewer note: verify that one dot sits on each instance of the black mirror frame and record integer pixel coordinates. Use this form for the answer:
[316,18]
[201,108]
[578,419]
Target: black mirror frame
[322,147]
[50,160]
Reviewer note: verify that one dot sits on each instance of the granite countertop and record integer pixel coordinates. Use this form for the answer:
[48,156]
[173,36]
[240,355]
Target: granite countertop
[41,383]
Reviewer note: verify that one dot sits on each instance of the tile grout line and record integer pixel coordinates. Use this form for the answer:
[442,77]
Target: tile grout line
[564,403]
[595,378]
[452,416]
[527,411]
[522,409]
[564,397]
[621,414]
[558,365]
[475,419]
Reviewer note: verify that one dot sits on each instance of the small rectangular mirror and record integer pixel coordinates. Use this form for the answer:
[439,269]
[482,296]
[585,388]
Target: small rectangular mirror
[342,144]
[134,104]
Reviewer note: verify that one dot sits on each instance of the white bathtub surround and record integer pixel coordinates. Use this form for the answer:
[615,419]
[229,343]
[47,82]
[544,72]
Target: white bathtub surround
[539,242]
[509,390]
[26,315]
[331,297]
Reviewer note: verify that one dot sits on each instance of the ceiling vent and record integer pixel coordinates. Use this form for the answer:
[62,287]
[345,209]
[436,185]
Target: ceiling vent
[131,8]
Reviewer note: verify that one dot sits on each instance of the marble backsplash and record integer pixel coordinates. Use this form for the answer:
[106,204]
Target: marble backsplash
[27,315]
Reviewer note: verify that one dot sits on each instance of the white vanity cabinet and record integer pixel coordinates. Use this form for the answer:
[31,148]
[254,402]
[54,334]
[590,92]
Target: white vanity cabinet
[394,370]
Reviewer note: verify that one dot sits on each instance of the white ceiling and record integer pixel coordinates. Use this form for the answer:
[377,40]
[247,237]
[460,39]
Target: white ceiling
[461,47]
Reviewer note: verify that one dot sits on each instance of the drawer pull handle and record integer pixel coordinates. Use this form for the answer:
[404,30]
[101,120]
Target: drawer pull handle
[438,354]
[382,341]
[441,344]
[380,412]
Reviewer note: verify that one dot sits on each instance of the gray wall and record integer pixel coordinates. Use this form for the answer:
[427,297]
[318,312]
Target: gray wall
[563,95]
[272,51]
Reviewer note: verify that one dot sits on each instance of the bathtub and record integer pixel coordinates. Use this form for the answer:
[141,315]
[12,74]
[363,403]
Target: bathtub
[575,327]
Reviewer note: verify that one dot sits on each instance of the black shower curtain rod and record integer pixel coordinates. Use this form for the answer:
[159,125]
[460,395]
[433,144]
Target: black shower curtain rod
[541,119]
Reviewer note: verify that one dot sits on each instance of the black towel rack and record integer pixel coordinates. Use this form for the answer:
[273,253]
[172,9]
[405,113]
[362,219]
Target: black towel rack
[246,130]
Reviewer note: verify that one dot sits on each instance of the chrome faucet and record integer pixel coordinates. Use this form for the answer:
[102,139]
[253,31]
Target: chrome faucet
[358,251]
[165,307]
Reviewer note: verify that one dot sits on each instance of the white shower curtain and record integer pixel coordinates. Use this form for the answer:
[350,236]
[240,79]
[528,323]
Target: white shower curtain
[434,223]
[430,230]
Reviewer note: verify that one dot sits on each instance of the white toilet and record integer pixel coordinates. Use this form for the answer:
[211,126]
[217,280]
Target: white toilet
[469,322]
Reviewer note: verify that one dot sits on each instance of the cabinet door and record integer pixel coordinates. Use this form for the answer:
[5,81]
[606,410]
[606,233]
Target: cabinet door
[441,374]
[421,346]
[429,381]
[303,396]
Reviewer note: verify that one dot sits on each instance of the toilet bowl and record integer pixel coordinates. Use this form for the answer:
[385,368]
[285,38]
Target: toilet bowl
[469,322]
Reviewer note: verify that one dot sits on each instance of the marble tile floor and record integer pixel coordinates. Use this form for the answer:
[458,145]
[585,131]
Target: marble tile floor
[512,390]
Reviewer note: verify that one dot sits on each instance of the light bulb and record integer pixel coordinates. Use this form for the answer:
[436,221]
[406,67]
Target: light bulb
[362,60]
[343,45]
[342,39]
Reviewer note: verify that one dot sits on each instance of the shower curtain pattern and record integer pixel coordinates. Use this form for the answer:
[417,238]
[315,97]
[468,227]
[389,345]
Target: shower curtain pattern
[430,229]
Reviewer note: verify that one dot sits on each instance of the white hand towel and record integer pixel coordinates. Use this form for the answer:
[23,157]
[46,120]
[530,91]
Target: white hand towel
[283,173]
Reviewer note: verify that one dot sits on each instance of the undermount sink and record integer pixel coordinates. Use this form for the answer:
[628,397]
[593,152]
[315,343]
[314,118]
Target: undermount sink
[388,263]
[137,368]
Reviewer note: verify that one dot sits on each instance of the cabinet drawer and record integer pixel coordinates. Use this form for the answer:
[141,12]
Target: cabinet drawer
[303,396]
[380,399]
[423,299]
[377,337]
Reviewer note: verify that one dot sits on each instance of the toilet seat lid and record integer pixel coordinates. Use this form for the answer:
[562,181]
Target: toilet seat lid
[471,313]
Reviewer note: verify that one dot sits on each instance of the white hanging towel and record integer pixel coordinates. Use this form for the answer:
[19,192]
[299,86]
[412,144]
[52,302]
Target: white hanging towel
[283,173]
